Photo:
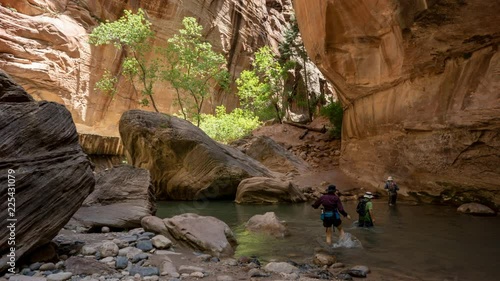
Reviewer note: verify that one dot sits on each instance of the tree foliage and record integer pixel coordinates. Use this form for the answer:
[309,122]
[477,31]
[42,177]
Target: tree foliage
[131,33]
[227,127]
[194,68]
[334,112]
[264,85]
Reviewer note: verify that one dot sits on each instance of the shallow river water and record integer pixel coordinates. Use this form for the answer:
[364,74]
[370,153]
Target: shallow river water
[426,242]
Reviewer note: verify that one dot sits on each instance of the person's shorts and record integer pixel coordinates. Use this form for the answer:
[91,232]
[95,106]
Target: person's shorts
[328,222]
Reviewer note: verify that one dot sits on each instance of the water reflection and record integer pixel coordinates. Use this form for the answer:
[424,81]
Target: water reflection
[430,242]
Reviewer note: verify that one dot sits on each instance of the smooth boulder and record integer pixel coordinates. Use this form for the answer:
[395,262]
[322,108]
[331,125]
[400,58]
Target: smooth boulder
[122,197]
[260,190]
[185,163]
[267,223]
[475,209]
[42,167]
[203,233]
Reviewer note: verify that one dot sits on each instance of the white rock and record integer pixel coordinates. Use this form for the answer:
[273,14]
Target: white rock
[161,242]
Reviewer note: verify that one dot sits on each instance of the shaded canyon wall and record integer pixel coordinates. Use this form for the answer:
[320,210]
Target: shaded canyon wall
[420,85]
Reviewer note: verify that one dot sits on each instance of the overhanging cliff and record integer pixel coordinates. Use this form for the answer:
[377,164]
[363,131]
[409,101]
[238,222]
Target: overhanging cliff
[420,84]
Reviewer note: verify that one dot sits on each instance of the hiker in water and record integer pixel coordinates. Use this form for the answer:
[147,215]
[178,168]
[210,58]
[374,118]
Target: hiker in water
[392,188]
[365,210]
[331,217]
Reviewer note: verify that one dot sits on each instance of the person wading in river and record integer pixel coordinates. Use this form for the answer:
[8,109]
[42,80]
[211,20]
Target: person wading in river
[331,217]
[365,210]
[392,188]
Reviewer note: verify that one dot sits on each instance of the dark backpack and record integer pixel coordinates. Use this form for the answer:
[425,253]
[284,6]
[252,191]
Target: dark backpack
[361,208]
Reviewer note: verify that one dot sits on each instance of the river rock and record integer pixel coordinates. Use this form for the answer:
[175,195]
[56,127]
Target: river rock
[87,266]
[185,164]
[59,276]
[324,259]
[161,242]
[108,249]
[279,267]
[154,224]
[144,271]
[267,223]
[122,197]
[268,190]
[475,209]
[204,233]
[49,170]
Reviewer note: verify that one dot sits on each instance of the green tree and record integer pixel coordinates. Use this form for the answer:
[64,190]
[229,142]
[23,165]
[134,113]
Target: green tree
[194,68]
[292,49]
[131,33]
[335,113]
[263,86]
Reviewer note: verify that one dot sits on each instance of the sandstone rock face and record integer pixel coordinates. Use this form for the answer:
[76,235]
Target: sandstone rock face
[52,174]
[185,163]
[123,195]
[420,88]
[260,190]
[207,234]
[44,45]
[274,156]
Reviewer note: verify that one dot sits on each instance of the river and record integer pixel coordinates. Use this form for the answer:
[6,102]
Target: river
[426,242]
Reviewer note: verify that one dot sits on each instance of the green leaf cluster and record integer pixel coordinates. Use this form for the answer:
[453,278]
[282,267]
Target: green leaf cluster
[226,127]
[263,86]
[194,68]
[334,112]
[131,33]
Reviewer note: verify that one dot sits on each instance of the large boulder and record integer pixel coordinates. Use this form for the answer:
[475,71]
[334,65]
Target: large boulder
[123,195]
[185,163]
[42,168]
[204,233]
[267,190]
[274,156]
[475,209]
[419,84]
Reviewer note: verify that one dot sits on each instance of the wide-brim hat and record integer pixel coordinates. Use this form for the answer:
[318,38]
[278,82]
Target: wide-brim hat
[368,194]
[389,179]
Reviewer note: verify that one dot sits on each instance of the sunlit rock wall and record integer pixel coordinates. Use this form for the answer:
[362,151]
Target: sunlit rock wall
[44,46]
[420,84]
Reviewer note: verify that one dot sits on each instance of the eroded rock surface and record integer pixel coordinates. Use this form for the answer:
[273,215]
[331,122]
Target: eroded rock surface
[259,190]
[274,156]
[185,163]
[420,88]
[52,176]
[123,195]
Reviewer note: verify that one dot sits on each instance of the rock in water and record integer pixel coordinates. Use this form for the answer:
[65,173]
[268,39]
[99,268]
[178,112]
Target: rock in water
[122,197]
[41,158]
[184,162]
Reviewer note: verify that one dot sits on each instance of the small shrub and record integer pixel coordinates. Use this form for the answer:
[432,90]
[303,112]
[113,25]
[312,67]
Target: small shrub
[334,112]
[226,127]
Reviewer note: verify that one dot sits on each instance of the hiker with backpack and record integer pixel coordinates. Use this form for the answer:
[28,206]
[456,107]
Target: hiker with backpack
[331,213]
[365,210]
[392,189]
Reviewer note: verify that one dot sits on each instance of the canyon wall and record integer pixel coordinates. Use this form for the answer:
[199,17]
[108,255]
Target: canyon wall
[420,85]
[44,46]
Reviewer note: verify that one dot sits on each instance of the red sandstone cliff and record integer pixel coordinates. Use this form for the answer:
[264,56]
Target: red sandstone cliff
[421,88]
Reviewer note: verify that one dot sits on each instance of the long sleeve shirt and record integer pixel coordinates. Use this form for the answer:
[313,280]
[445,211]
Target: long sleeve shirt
[330,202]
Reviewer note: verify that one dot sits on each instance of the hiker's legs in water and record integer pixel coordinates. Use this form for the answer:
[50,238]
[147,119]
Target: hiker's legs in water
[329,231]
[341,231]
[392,199]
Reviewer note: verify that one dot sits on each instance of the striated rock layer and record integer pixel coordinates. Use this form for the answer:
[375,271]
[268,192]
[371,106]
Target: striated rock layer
[53,176]
[421,92]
